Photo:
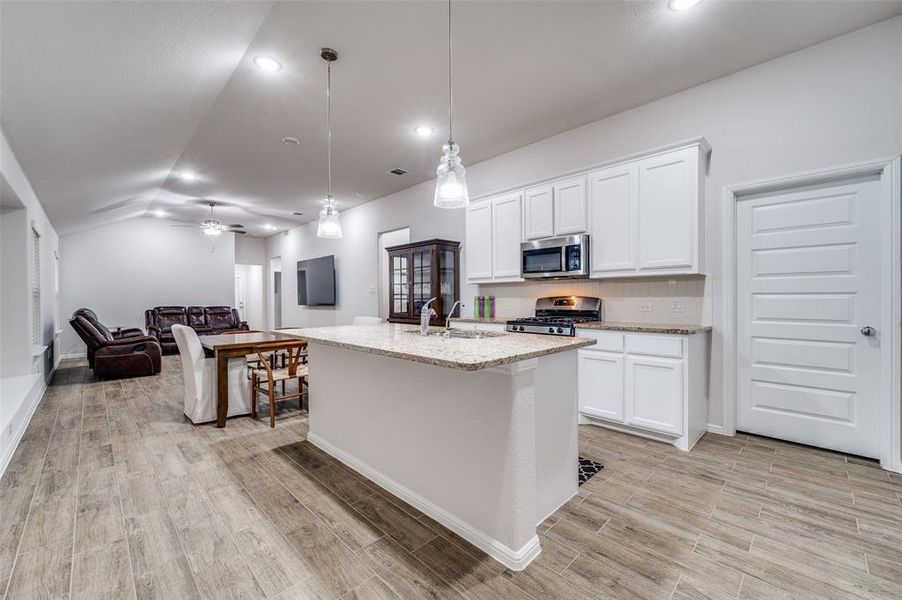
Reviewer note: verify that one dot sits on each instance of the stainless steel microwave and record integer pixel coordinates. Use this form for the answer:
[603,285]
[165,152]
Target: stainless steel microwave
[555,257]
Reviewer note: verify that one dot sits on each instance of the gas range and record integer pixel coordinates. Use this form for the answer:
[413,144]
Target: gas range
[558,315]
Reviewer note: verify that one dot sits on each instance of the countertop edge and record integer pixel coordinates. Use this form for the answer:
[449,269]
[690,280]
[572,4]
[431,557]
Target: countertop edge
[663,328]
[460,366]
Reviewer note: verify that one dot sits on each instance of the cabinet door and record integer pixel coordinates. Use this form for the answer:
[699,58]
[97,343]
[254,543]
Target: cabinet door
[570,206]
[538,211]
[399,286]
[506,224]
[479,242]
[654,393]
[601,385]
[668,195]
[613,230]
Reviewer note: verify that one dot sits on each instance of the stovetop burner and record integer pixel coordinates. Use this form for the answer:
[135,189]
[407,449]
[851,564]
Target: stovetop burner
[558,315]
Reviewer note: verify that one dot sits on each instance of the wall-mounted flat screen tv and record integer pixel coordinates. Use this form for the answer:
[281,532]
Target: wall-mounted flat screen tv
[316,281]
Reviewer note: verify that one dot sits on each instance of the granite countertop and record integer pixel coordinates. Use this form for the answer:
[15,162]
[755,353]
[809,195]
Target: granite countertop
[397,341]
[670,328]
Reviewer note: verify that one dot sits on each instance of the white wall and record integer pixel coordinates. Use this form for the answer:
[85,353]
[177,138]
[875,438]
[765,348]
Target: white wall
[250,250]
[122,269]
[834,103]
[22,373]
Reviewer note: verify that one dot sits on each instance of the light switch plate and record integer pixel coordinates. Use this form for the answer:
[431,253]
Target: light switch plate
[677,306]
[646,306]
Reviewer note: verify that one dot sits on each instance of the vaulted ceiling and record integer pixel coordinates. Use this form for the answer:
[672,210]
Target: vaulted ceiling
[105,103]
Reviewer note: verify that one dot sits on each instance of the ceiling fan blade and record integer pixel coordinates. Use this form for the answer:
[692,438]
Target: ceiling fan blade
[236,225]
[237,231]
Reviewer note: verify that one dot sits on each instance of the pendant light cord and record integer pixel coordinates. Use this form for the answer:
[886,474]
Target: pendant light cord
[329,124]
[450,84]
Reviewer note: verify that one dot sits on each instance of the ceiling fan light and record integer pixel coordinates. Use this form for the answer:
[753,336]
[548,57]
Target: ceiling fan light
[329,225]
[451,180]
[211,230]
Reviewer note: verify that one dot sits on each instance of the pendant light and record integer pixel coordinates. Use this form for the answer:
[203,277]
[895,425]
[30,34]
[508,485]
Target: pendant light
[329,224]
[451,177]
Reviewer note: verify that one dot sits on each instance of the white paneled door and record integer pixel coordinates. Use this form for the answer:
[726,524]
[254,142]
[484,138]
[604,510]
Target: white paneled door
[808,280]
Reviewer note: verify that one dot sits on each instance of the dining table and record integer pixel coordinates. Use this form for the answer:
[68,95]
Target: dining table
[227,346]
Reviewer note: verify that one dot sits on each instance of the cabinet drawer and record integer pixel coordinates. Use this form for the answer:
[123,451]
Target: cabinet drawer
[655,345]
[604,340]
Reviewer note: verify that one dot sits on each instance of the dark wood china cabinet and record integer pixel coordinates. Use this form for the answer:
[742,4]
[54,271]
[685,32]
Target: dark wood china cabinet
[419,271]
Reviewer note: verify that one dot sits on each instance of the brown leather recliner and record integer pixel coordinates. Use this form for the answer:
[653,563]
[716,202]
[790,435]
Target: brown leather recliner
[118,334]
[205,320]
[112,358]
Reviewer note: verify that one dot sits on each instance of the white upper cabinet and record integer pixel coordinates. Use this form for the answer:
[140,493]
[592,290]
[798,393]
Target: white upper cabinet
[478,249]
[647,215]
[668,211]
[557,208]
[494,228]
[506,228]
[538,212]
[570,206]
[613,205]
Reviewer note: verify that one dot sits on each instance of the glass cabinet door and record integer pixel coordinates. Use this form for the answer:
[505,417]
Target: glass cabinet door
[446,279]
[422,280]
[399,286]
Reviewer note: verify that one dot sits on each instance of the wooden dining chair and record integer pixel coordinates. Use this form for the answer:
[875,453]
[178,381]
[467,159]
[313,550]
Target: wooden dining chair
[271,374]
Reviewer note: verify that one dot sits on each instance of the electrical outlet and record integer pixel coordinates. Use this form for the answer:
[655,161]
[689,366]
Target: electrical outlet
[646,306]
[677,306]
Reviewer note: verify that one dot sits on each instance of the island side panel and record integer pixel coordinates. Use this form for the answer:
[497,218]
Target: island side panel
[557,432]
[458,445]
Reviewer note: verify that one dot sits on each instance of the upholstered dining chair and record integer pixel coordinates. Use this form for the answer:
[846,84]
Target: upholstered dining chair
[269,374]
[199,374]
[367,321]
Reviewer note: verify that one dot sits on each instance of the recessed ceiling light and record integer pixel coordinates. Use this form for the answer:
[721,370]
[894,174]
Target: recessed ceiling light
[268,64]
[269,227]
[187,176]
[291,141]
[682,4]
[160,213]
[423,131]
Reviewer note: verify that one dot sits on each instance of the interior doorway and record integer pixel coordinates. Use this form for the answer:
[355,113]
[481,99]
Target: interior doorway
[388,239]
[249,294]
[275,289]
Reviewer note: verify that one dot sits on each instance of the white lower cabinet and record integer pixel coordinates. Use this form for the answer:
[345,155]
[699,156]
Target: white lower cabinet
[654,393]
[648,384]
[601,384]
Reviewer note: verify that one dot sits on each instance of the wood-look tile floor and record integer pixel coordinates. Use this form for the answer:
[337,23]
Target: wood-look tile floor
[112,494]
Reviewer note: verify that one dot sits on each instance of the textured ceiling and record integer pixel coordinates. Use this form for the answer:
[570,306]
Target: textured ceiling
[104,103]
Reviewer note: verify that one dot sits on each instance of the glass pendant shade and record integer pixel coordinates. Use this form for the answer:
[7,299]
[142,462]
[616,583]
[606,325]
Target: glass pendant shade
[329,224]
[451,179]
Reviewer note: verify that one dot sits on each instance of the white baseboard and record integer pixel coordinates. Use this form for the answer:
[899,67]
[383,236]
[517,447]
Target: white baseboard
[515,560]
[29,406]
[719,430]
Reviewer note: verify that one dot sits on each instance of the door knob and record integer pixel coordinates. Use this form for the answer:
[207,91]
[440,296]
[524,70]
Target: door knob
[868,331]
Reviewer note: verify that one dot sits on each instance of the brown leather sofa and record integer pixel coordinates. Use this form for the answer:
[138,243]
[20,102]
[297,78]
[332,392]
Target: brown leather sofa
[125,353]
[205,320]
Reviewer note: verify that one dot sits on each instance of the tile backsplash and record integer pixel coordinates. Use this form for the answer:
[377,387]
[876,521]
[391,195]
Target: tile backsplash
[647,300]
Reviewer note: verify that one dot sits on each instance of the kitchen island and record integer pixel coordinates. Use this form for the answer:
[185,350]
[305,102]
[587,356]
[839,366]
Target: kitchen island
[479,433]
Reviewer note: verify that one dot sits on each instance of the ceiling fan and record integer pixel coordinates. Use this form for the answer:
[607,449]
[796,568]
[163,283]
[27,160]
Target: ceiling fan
[213,227]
